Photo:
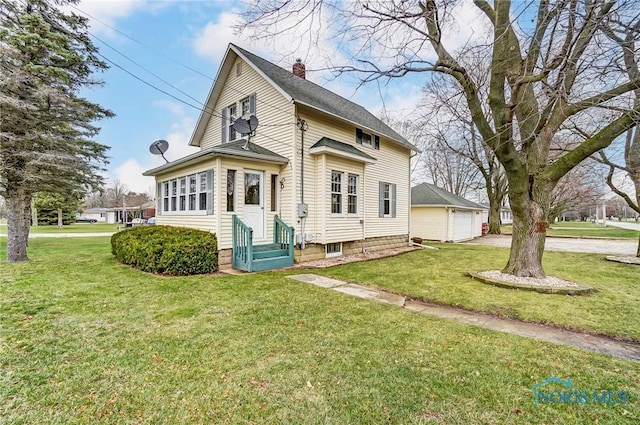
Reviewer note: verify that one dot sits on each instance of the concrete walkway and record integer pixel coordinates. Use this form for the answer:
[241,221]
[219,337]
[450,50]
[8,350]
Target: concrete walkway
[592,246]
[530,330]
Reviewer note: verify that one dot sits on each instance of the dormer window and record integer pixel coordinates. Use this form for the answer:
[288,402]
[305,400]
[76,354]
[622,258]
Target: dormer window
[367,139]
[244,107]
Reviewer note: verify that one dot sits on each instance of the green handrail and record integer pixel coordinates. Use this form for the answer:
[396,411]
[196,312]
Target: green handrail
[242,245]
[283,235]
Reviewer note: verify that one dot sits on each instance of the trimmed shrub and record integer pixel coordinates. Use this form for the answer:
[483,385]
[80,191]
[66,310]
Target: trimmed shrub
[175,251]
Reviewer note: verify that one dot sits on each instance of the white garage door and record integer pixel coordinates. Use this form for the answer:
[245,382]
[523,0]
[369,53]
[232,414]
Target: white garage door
[462,225]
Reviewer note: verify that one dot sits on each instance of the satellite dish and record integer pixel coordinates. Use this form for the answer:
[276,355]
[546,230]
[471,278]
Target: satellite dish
[159,147]
[246,125]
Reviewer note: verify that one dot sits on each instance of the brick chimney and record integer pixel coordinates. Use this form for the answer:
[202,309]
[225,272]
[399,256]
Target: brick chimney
[298,69]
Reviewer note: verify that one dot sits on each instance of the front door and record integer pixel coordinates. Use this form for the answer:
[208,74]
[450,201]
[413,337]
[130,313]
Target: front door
[254,202]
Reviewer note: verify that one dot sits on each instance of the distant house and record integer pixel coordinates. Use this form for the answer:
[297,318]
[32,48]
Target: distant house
[98,214]
[320,172]
[505,215]
[439,215]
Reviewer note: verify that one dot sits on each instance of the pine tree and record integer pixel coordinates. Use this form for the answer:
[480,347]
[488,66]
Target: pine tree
[46,127]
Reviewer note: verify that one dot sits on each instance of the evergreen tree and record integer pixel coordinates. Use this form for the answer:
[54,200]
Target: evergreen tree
[46,128]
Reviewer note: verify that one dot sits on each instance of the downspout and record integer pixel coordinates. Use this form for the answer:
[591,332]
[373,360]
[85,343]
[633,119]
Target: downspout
[303,218]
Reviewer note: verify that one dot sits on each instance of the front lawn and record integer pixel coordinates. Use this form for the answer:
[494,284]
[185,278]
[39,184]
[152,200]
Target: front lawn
[86,340]
[440,276]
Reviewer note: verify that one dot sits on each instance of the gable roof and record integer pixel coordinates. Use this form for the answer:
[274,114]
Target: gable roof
[432,195]
[233,149]
[296,90]
[346,149]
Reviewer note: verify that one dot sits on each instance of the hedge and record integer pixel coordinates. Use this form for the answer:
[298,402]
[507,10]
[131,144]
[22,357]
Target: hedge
[174,251]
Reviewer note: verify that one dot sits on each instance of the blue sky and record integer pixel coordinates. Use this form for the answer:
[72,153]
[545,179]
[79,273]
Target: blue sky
[196,34]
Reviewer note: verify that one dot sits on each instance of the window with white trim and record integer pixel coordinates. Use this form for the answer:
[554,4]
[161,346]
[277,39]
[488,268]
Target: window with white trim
[367,139]
[352,194]
[183,194]
[387,200]
[165,196]
[192,193]
[336,192]
[244,107]
[333,249]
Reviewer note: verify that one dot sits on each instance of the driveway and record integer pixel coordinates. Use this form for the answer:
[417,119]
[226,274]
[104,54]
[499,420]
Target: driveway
[594,246]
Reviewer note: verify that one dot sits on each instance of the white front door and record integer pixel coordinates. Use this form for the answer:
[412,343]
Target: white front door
[254,202]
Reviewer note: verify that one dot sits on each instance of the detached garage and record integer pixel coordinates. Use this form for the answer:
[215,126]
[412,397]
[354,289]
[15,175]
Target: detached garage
[439,215]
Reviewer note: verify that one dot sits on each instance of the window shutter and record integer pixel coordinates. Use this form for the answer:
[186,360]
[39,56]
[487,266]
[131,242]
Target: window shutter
[252,104]
[381,200]
[159,198]
[393,200]
[376,143]
[224,124]
[209,192]
[358,136]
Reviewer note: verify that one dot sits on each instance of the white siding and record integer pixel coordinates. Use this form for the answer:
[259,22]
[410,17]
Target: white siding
[276,131]
[392,166]
[430,223]
[186,219]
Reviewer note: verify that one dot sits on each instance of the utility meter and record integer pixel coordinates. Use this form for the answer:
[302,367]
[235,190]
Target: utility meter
[303,210]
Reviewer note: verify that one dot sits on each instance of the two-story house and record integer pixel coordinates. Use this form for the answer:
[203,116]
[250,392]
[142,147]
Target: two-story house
[317,163]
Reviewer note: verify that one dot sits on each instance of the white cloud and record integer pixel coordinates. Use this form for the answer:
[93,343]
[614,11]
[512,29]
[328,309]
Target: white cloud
[212,40]
[130,171]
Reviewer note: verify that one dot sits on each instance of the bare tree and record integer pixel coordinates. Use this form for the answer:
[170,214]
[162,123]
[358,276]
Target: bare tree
[552,66]
[625,36]
[446,119]
[581,186]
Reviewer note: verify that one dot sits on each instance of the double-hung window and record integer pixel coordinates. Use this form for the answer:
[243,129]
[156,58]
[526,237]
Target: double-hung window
[387,200]
[352,194]
[336,192]
[242,108]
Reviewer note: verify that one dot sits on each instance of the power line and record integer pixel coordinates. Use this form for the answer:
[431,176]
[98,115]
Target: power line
[204,109]
[214,80]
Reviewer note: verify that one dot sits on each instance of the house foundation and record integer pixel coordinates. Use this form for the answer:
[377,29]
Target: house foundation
[317,251]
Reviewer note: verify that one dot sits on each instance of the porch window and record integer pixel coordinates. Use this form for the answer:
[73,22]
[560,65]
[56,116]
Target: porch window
[231,188]
[336,192]
[165,196]
[183,194]
[274,192]
[191,193]
[202,192]
[174,193]
[352,194]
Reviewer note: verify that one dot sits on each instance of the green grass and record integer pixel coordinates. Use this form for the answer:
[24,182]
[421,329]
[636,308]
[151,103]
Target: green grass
[440,276]
[71,228]
[90,341]
[581,229]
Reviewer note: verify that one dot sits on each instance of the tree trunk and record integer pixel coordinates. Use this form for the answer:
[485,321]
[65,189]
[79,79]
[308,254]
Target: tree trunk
[60,224]
[530,214]
[494,217]
[18,223]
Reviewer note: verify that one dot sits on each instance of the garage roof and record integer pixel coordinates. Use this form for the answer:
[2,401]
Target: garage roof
[427,194]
